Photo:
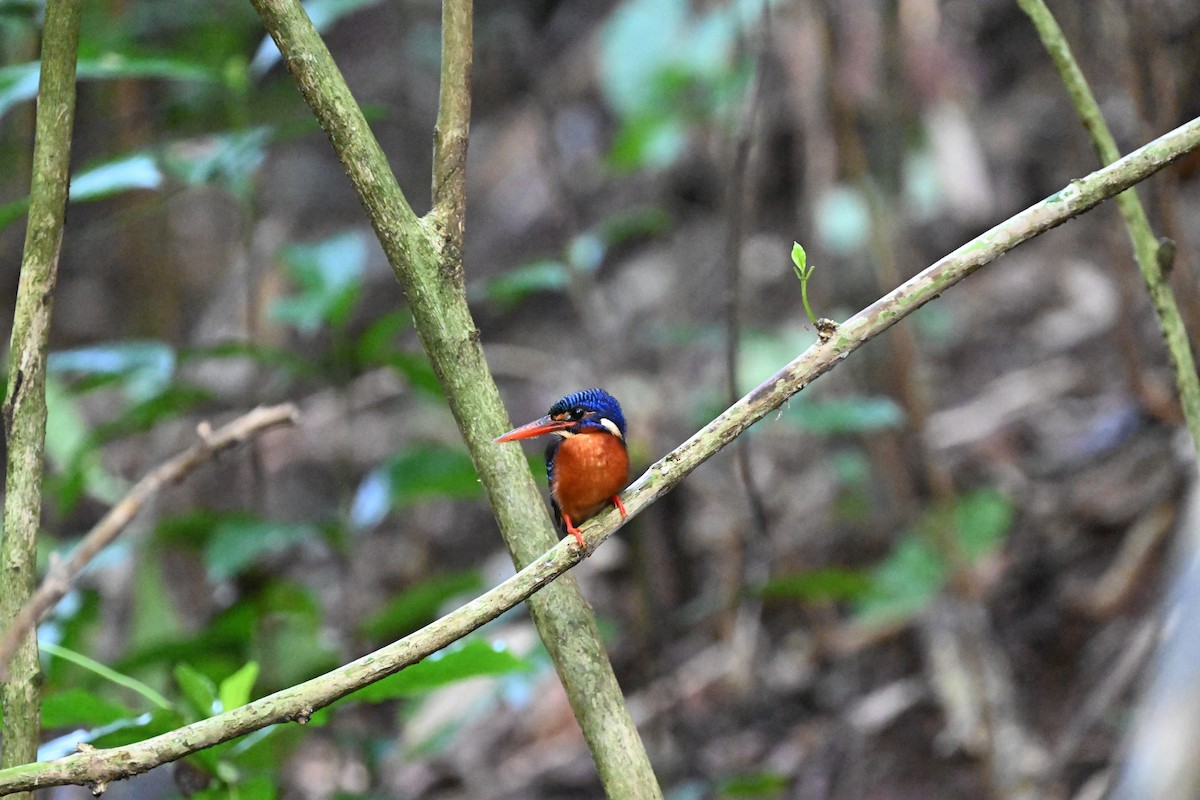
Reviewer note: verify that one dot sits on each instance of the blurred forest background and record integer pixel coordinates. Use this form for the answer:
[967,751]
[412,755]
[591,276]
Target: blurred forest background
[932,580]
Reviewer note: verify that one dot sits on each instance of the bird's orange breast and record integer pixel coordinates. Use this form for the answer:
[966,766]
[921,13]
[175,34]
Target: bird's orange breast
[589,468]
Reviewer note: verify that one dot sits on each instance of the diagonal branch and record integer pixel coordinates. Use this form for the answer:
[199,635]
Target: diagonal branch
[63,572]
[297,703]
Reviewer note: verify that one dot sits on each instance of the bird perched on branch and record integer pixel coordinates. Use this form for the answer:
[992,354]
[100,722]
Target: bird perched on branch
[587,462]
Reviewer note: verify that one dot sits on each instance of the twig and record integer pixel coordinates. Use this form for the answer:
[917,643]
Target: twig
[1145,244]
[450,135]
[63,572]
[25,400]
[756,537]
[297,703]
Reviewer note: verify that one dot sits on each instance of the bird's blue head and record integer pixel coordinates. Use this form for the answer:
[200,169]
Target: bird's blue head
[591,410]
[586,411]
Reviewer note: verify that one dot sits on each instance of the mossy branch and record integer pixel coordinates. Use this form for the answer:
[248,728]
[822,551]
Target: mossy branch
[299,702]
[1147,250]
[426,255]
[24,408]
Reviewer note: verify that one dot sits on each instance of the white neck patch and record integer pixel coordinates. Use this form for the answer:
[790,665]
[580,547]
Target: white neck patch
[611,427]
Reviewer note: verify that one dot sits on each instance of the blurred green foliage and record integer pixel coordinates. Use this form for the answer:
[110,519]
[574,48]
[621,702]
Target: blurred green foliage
[903,584]
[419,604]
[584,254]
[757,784]
[469,658]
[666,68]
[418,473]
[328,277]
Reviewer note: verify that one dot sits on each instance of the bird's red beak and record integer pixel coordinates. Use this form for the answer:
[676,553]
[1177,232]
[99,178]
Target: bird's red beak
[538,427]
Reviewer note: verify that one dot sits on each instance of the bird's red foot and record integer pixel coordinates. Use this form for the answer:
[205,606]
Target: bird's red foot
[571,529]
[616,499]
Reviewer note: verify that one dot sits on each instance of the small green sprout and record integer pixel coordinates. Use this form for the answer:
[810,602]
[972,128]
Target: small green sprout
[803,272]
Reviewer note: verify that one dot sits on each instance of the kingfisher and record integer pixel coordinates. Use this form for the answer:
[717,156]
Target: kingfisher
[587,461]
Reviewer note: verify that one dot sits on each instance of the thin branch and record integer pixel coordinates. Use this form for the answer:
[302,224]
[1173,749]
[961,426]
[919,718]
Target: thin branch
[756,537]
[63,572]
[454,115]
[299,702]
[1147,250]
[24,408]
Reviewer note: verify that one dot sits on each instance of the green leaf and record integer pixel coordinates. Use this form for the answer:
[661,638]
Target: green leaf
[328,275]
[904,584]
[235,690]
[381,338]
[172,402]
[754,784]
[105,672]
[818,584]
[419,604]
[470,659]
[621,227]
[692,74]
[123,65]
[800,260]
[508,290]
[278,358]
[627,67]
[126,731]
[379,345]
[70,448]
[230,160]
[77,707]
[984,518]
[648,142]
[200,692]
[25,12]
[237,542]
[114,734]
[292,643]
[843,415]
[13,210]
[136,171]
[259,787]
[145,368]
[19,82]
[420,473]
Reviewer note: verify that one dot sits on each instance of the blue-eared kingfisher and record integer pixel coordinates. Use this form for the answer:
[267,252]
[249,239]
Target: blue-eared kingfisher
[587,462]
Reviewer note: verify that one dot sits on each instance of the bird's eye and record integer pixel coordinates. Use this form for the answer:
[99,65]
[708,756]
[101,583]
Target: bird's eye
[578,412]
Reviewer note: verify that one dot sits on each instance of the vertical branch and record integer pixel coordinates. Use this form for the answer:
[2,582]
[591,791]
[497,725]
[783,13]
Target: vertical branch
[454,115]
[1151,256]
[25,401]
[756,543]
[426,255]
